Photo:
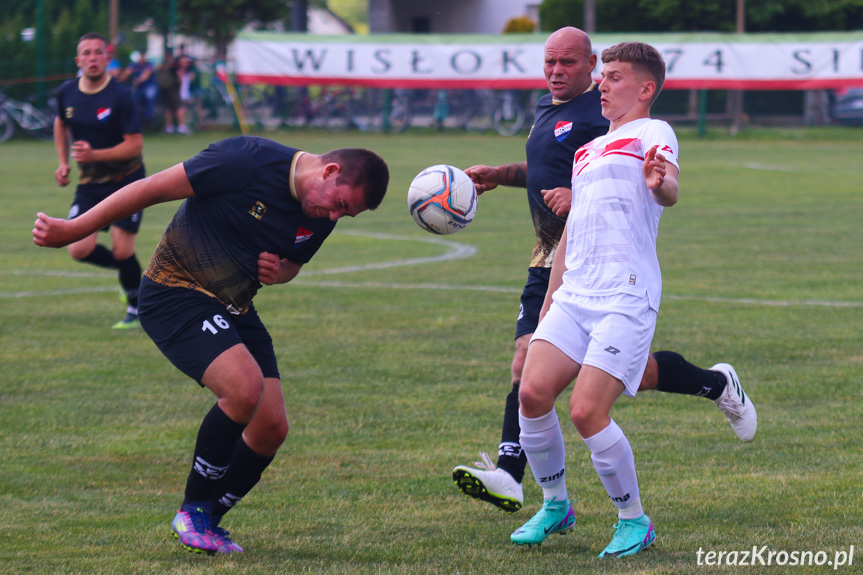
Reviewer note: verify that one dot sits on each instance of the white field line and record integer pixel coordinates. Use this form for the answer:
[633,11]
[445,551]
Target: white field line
[772,167]
[793,169]
[454,251]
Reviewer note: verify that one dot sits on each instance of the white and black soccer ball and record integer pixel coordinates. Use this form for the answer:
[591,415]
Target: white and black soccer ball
[442,199]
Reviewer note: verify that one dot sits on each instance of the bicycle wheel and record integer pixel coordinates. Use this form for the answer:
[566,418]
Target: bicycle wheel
[479,118]
[36,123]
[508,118]
[7,126]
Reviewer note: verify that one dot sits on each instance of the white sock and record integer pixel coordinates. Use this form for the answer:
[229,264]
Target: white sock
[542,441]
[613,461]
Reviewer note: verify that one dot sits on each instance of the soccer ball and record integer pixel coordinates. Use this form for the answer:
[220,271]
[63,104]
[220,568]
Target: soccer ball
[442,199]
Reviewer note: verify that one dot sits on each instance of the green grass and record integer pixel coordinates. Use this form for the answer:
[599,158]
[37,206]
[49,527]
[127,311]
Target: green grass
[393,376]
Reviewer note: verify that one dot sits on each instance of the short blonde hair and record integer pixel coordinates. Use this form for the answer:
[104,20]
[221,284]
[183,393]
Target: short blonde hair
[643,57]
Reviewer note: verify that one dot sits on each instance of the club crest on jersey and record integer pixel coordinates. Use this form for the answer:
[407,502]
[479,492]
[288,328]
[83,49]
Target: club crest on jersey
[258,211]
[69,112]
[103,113]
[562,130]
[303,235]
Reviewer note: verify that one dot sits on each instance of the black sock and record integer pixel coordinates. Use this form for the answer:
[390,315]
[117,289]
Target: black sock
[130,278]
[243,474]
[676,375]
[102,257]
[214,448]
[510,456]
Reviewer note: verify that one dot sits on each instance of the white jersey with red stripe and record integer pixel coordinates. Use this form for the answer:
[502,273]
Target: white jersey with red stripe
[613,223]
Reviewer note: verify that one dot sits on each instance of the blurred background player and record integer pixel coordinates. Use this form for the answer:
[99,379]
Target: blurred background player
[565,119]
[98,125]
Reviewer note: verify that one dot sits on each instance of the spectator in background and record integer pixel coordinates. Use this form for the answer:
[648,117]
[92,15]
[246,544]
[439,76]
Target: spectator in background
[168,81]
[189,89]
[115,67]
[143,86]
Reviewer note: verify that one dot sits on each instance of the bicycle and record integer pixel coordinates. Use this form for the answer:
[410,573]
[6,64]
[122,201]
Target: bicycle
[479,114]
[269,108]
[340,109]
[26,115]
[376,110]
[509,116]
[502,111]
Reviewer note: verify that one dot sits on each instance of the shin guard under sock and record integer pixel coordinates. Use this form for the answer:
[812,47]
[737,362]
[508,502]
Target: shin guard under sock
[676,375]
[542,442]
[214,449]
[102,257]
[612,458]
[130,278]
[510,456]
[243,474]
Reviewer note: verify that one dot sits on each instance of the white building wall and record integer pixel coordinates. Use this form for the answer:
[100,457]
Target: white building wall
[449,16]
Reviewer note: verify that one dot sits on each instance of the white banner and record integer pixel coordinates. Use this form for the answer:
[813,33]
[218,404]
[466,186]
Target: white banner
[710,61]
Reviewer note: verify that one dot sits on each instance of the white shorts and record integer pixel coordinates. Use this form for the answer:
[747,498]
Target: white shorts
[612,333]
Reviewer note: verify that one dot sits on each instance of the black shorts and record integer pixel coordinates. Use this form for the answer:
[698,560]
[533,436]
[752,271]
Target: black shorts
[192,329]
[531,301]
[88,195]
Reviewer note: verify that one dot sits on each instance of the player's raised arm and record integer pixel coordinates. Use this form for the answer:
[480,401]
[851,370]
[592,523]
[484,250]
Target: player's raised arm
[165,186]
[661,178]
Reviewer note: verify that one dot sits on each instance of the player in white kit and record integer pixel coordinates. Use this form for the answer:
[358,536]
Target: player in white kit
[603,297]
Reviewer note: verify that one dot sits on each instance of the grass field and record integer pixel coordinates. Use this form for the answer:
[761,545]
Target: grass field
[395,372]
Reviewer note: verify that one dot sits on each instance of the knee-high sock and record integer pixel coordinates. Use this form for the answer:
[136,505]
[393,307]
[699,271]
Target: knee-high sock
[613,461]
[214,449]
[102,257]
[243,474]
[130,278]
[510,456]
[676,375]
[542,442]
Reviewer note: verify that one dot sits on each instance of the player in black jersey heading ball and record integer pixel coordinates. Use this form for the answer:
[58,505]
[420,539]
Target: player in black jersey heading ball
[254,212]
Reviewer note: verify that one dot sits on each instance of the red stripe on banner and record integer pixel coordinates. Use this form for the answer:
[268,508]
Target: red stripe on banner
[728,84]
[540,84]
[419,84]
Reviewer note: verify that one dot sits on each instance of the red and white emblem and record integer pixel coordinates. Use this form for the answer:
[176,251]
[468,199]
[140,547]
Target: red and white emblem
[303,235]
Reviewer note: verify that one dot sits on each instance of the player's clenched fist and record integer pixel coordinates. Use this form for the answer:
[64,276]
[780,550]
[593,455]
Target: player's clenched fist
[51,232]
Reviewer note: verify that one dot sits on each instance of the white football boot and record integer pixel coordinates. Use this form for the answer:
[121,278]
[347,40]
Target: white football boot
[736,405]
[488,483]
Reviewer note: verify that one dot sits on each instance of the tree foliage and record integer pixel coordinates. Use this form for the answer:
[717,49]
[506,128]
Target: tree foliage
[706,15]
[220,20]
[63,23]
[66,20]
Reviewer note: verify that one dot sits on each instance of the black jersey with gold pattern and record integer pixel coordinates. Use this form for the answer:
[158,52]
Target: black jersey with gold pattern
[101,118]
[559,130]
[242,206]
